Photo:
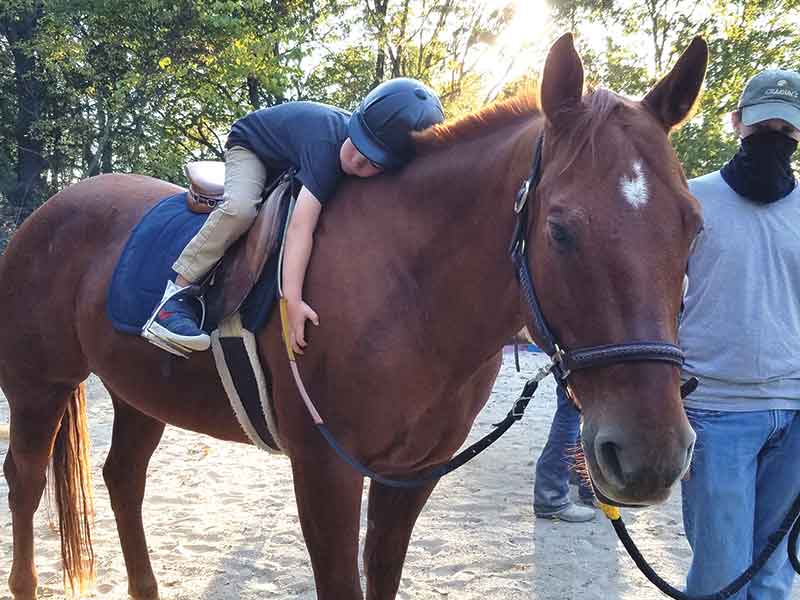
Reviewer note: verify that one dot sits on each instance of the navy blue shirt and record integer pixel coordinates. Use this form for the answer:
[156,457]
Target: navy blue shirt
[304,135]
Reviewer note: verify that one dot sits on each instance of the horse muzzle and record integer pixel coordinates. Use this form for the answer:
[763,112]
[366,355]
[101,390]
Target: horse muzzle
[636,467]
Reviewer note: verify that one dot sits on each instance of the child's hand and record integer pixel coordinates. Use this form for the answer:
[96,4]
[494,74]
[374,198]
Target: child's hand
[297,313]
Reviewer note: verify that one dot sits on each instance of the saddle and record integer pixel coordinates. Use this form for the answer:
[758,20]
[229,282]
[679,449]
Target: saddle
[250,266]
[206,183]
[243,263]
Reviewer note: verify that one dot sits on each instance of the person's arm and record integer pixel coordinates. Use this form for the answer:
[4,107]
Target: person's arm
[299,243]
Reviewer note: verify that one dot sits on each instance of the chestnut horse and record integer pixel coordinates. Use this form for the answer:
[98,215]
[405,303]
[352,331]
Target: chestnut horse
[416,295]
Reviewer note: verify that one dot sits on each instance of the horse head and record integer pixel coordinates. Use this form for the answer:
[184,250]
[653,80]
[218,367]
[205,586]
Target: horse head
[611,226]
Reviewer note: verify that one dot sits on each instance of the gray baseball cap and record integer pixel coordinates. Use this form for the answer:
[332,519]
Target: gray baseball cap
[772,94]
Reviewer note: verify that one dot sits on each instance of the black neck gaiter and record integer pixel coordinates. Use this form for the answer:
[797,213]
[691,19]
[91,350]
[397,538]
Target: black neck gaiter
[762,170]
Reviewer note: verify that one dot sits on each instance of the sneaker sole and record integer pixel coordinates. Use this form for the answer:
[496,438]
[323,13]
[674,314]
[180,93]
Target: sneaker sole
[196,343]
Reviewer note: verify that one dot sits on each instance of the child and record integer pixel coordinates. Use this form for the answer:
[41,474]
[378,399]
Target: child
[322,143]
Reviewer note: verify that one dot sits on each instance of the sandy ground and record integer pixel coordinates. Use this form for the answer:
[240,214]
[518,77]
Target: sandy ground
[213,536]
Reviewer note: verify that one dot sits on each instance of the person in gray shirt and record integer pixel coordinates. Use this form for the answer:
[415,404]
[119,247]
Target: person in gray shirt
[740,331]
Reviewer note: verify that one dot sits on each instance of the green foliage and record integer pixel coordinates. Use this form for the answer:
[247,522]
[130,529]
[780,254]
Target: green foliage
[8,110]
[642,39]
[144,85]
[342,78]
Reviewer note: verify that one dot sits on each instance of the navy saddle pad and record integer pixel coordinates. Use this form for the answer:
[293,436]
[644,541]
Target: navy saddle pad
[146,264]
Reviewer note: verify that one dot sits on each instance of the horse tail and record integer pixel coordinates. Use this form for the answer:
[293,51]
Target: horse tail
[71,485]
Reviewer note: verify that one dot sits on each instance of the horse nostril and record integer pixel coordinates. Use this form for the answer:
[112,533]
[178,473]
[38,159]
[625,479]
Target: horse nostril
[610,463]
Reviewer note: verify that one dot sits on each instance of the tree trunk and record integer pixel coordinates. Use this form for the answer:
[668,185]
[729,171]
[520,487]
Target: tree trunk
[398,67]
[253,92]
[20,30]
[107,162]
[378,18]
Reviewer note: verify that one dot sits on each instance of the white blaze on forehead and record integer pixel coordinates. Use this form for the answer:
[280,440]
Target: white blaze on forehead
[635,188]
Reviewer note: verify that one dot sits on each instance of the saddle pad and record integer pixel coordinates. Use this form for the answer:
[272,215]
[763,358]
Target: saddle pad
[146,262]
[263,297]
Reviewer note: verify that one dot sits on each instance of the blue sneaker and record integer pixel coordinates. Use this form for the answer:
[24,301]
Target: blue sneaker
[177,322]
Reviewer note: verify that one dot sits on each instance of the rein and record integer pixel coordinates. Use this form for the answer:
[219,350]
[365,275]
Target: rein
[514,415]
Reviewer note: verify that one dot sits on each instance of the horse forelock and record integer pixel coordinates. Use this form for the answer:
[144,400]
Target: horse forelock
[586,121]
[478,123]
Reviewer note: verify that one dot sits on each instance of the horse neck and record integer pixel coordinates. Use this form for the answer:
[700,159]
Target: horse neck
[465,195]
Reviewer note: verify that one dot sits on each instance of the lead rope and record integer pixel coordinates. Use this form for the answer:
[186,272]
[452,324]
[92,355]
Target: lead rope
[790,523]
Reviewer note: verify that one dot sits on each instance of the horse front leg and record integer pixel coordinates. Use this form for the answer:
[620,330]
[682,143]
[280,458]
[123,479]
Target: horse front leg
[328,494]
[391,516]
[134,439]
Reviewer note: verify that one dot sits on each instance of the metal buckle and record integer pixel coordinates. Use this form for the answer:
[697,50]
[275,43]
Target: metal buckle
[518,410]
[558,360]
[522,196]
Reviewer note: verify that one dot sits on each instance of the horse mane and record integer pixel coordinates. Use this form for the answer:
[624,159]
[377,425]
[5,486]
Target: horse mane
[596,107]
[477,123]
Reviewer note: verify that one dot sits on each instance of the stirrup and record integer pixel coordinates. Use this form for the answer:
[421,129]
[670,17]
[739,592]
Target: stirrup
[175,349]
[152,336]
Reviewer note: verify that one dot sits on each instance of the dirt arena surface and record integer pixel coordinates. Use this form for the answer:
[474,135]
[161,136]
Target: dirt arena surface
[222,524]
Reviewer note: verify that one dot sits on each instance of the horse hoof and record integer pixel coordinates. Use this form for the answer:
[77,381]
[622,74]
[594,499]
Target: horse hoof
[25,591]
[144,594]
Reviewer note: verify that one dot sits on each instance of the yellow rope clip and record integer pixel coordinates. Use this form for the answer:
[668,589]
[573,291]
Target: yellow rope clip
[612,512]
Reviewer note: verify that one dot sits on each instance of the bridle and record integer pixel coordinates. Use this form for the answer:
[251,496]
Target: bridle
[562,361]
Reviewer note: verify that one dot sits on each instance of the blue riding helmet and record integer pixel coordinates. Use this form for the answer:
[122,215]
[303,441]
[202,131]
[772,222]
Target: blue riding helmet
[380,126]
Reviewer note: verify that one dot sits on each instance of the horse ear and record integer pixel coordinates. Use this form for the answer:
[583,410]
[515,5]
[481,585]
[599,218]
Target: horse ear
[673,98]
[562,80]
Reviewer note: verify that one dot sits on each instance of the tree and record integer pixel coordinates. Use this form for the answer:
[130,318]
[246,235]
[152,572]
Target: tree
[436,41]
[19,24]
[643,39]
[139,85]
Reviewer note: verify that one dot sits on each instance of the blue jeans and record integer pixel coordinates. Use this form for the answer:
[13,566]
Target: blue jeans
[743,479]
[551,485]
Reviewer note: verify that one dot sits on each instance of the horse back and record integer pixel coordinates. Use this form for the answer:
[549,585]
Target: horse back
[64,251]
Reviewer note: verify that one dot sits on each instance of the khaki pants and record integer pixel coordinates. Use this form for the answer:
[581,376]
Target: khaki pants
[245,176]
